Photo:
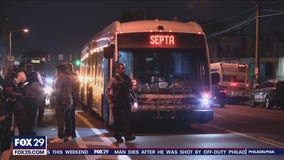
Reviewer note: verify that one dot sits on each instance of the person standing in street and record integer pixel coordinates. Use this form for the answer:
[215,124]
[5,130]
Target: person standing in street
[41,102]
[31,71]
[118,95]
[32,94]
[75,96]
[63,98]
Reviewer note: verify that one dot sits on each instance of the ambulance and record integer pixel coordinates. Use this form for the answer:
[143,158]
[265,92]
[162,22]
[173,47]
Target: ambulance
[232,79]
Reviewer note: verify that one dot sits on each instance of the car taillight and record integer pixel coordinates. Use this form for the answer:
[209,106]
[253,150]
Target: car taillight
[222,91]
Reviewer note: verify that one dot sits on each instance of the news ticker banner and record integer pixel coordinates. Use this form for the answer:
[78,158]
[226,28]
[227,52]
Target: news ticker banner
[37,145]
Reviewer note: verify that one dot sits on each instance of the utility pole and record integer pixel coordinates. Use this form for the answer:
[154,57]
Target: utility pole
[257,27]
[190,9]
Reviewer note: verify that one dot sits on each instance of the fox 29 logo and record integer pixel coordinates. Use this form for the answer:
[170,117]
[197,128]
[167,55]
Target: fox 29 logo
[29,142]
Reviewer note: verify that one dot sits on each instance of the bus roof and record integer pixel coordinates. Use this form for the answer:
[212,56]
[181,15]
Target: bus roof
[151,26]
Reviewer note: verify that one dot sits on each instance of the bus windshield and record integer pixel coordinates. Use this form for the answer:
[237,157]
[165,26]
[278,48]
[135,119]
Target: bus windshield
[166,65]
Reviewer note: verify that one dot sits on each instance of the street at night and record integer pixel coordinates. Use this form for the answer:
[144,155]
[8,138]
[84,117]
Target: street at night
[235,126]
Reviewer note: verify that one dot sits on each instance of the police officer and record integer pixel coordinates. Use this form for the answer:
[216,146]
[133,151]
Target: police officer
[118,96]
[14,98]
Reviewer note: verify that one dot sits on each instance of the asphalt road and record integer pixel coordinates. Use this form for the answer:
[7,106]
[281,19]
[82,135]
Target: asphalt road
[235,126]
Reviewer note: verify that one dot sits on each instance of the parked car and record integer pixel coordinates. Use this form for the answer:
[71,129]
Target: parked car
[270,93]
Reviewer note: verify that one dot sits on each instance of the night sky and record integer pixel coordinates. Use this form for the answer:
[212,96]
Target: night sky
[62,26]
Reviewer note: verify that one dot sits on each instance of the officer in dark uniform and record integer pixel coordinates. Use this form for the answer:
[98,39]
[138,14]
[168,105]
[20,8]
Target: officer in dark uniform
[118,96]
[14,98]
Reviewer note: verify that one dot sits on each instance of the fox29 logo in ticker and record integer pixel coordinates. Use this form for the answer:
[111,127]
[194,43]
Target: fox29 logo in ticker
[29,145]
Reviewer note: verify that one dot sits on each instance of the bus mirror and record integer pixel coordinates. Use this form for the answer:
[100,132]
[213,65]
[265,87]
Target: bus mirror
[108,51]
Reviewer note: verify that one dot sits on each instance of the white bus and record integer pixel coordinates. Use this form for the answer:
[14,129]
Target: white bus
[168,62]
[232,78]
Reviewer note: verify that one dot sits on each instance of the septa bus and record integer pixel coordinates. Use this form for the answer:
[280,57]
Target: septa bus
[168,62]
[232,78]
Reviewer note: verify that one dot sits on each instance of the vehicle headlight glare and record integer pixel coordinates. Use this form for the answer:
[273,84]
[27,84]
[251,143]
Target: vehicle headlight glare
[49,80]
[205,100]
[47,90]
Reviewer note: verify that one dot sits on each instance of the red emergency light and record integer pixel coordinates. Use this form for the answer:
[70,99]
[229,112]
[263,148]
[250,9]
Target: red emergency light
[233,84]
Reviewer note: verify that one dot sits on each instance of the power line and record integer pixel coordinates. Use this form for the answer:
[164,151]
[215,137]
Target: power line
[272,10]
[273,14]
[247,21]
[231,17]
[277,2]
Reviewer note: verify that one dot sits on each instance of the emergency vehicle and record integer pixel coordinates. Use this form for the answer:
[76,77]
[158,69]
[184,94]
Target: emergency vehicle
[232,79]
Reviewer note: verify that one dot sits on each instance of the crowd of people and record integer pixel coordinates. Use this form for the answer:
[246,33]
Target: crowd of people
[22,94]
[23,97]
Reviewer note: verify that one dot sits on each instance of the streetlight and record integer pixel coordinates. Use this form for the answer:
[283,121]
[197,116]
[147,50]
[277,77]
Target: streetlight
[10,37]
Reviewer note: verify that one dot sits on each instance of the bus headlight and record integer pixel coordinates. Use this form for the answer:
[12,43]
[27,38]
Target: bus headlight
[135,104]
